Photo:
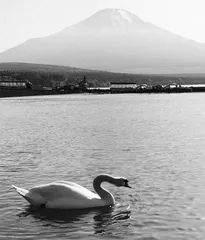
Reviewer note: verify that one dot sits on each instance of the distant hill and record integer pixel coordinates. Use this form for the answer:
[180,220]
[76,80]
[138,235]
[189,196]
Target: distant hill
[16,66]
[113,40]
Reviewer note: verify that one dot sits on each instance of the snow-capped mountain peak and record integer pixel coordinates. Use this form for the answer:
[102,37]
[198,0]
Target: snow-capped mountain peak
[108,18]
[125,15]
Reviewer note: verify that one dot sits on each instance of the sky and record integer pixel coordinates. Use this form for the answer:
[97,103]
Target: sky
[21,20]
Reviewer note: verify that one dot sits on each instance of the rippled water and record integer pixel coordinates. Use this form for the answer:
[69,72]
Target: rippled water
[157,141]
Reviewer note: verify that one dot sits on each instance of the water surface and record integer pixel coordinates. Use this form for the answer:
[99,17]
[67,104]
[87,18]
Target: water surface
[155,140]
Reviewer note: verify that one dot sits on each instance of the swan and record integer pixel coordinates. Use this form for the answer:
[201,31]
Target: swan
[70,195]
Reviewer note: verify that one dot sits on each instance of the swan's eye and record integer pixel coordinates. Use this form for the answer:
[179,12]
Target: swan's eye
[124,182]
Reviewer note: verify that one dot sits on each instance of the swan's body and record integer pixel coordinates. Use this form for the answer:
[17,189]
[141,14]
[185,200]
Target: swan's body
[69,195]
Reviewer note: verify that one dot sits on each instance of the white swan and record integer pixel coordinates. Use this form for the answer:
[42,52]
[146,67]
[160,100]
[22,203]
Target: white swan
[69,195]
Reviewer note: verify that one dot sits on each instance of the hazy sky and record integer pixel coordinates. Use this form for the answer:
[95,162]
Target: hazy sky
[24,19]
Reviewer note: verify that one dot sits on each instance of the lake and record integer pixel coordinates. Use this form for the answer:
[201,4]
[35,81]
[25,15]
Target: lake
[157,141]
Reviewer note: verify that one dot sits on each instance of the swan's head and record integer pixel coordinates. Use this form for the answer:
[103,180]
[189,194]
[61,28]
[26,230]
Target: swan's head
[122,182]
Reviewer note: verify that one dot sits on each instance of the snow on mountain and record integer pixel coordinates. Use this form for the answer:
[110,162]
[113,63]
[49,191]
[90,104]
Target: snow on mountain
[125,15]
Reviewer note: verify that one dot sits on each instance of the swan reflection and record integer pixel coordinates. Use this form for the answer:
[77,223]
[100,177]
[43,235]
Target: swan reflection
[103,221]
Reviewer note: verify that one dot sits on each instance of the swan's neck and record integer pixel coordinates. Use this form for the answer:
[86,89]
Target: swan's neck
[102,192]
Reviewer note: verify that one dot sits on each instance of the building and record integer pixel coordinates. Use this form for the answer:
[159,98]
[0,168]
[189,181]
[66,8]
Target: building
[15,84]
[123,86]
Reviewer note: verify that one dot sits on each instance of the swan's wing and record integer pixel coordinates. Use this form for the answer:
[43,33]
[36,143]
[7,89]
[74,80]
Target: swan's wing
[63,190]
[77,187]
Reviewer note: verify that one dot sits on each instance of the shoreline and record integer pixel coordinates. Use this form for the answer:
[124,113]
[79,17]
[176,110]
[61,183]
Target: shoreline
[9,92]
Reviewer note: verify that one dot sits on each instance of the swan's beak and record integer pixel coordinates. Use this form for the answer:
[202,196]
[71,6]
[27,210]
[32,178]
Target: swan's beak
[127,185]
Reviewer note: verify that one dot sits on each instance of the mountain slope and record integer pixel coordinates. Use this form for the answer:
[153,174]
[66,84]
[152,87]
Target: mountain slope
[114,40]
[29,67]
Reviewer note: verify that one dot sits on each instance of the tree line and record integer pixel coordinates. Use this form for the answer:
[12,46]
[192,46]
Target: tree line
[94,78]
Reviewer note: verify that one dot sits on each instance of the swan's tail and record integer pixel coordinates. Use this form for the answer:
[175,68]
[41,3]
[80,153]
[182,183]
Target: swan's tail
[33,198]
[22,192]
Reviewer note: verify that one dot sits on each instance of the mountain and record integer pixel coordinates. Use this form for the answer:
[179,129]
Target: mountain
[113,40]
[30,67]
